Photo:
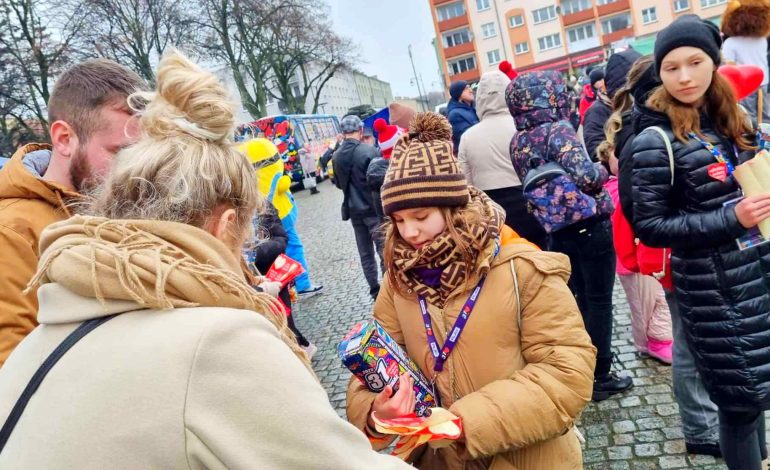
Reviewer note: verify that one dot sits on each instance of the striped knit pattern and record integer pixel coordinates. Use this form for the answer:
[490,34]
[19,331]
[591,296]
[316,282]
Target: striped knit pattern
[423,174]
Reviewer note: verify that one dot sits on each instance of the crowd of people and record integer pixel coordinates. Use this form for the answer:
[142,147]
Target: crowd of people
[133,250]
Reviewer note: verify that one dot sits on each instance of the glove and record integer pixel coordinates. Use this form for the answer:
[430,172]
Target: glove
[270,287]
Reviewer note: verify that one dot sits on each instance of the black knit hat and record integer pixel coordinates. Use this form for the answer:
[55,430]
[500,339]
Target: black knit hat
[688,30]
[596,75]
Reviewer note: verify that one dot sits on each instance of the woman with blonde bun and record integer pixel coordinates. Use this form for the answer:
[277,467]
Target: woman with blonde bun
[190,367]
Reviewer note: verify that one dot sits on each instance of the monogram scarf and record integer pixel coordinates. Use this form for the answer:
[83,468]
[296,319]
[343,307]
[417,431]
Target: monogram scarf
[445,253]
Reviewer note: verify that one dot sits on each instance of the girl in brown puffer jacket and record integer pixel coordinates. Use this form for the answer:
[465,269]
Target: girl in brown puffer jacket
[518,367]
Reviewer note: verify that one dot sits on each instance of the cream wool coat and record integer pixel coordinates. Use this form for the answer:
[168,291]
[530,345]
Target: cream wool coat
[184,388]
[518,387]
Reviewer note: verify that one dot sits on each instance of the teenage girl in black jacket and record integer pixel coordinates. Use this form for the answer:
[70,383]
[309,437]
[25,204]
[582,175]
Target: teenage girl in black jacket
[723,292]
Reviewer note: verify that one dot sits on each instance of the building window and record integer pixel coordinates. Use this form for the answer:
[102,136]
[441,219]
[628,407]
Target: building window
[711,3]
[521,48]
[516,21]
[453,10]
[493,57]
[616,23]
[681,5]
[650,15]
[549,42]
[581,33]
[569,7]
[455,38]
[605,2]
[542,15]
[488,30]
[461,65]
[482,5]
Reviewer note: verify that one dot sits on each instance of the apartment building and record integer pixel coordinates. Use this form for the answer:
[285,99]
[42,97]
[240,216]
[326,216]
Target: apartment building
[474,36]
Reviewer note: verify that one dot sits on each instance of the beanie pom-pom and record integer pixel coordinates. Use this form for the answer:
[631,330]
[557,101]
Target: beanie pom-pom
[507,69]
[380,125]
[427,127]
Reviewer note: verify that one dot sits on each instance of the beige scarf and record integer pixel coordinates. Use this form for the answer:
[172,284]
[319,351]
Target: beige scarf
[157,264]
[445,253]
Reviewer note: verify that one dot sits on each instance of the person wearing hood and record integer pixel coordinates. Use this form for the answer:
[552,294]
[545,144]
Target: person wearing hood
[597,115]
[485,160]
[700,423]
[686,197]
[591,91]
[90,121]
[573,207]
[460,111]
[181,363]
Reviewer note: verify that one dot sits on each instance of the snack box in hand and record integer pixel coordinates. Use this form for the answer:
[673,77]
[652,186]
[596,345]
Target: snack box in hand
[284,270]
[377,360]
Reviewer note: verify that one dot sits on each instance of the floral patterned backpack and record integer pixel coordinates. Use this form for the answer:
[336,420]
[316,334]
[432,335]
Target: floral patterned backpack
[552,195]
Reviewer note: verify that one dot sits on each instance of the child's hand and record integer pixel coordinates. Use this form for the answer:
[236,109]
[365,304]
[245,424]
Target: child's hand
[400,404]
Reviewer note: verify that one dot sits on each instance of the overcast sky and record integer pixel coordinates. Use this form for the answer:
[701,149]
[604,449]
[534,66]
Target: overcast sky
[383,30]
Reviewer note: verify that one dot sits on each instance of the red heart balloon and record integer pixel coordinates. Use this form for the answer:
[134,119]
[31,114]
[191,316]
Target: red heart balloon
[745,79]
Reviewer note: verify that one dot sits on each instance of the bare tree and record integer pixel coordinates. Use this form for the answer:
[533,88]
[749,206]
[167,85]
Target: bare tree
[136,32]
[37,41]
[306,54]
[236,35]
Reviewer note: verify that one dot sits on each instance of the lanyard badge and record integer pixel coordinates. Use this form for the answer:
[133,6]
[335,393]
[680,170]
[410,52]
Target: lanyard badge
[720,170]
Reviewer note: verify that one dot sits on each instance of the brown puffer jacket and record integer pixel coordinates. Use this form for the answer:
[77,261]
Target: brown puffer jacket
[518,384]
[28,204]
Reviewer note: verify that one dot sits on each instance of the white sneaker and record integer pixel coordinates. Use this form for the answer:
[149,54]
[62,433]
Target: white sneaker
[310,350]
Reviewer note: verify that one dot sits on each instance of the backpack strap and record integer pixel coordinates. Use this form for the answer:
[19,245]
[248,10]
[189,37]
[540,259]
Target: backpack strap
[13,418]
[669,150]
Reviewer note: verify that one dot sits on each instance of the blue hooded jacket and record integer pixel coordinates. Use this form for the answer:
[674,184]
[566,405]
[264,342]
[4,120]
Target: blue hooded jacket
[461,116]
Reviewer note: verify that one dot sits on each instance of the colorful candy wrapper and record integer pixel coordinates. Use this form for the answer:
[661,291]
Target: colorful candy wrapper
[284,270]
[440,429]
[763,135]
[377,360]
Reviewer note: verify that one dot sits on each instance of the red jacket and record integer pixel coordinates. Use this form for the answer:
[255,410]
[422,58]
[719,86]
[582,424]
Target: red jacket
[638,257]
[586,101]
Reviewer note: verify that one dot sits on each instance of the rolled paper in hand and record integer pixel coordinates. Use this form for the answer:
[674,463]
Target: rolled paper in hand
[754,178]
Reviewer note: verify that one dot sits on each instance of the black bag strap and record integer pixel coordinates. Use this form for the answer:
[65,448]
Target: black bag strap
[13,418]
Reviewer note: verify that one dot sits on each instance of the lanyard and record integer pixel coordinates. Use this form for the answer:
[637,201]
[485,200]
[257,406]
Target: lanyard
[714,152]
[457,329]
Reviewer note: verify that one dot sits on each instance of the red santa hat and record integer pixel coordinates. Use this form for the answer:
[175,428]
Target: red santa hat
[387,136]
[508,69]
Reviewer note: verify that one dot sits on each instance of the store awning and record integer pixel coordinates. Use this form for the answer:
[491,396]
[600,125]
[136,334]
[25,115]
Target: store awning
[644,45]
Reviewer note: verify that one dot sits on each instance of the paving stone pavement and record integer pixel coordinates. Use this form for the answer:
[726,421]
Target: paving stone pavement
[636,430]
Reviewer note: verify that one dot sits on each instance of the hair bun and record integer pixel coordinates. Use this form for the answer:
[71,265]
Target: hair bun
[188,100]
[428,126]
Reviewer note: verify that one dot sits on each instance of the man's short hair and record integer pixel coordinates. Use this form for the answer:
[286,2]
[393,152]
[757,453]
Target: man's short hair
[84,89]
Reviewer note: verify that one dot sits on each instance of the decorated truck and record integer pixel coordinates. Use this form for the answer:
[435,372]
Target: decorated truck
[316,132]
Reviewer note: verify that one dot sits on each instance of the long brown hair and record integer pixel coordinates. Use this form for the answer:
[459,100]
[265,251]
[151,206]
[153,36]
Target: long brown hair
[622,102]
[457,219]
[720,105]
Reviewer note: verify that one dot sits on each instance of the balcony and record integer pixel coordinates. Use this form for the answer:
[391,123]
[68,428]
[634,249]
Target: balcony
[469,76]
[615,7]
[608,39]
[583,45]
[578,17]
[460,49]
[453,23]
[440,2]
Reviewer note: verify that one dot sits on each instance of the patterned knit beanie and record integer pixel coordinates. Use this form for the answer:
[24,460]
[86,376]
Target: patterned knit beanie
[423,172]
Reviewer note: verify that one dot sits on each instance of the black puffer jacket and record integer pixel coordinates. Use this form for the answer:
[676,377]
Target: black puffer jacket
[723,293]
